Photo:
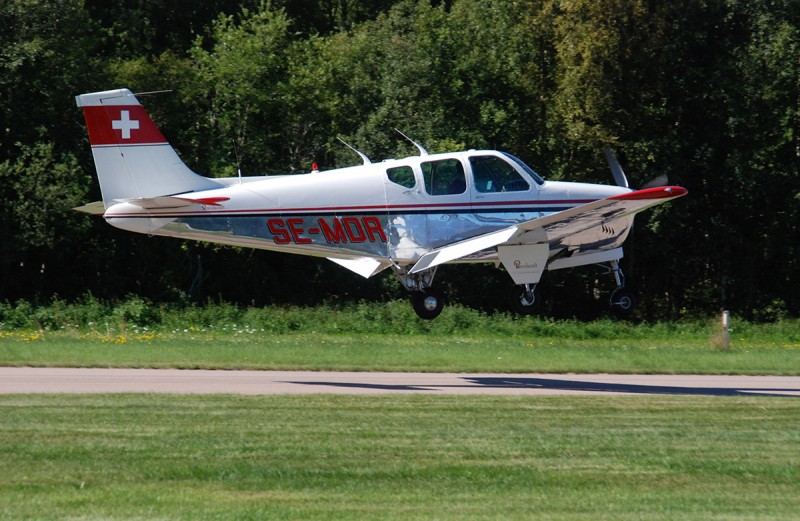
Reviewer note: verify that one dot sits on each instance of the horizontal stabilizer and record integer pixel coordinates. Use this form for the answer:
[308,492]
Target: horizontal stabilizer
[157,203]
[95,208]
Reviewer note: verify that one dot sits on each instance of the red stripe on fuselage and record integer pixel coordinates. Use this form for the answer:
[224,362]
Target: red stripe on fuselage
[535,205]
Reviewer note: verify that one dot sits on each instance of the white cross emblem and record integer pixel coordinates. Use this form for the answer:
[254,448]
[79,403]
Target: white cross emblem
[125,124]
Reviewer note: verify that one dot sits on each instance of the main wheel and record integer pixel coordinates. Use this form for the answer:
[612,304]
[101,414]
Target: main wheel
[428,304]
[525,303]
[623,302]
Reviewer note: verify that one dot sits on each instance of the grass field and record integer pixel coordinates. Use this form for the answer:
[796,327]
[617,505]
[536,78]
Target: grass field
[407,457]
[384,337]
[137,457]
[432,352]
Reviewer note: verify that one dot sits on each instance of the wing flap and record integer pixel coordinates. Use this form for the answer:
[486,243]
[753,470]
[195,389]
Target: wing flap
[462,249]
[364,266]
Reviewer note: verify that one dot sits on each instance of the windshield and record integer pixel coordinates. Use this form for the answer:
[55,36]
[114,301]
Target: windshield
[525,167]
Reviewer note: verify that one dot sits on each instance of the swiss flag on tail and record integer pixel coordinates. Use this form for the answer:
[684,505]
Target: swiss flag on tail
[121,125]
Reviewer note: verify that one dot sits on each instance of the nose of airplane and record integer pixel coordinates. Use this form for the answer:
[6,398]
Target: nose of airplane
[581,192]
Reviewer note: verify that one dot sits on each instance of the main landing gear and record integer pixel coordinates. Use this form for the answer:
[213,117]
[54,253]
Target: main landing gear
[623,300]
[525,299]
[427,301]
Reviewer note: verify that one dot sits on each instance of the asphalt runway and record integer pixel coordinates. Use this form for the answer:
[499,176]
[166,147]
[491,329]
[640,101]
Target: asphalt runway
[33,380]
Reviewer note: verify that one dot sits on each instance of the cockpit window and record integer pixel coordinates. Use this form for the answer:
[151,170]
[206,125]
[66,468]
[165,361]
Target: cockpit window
[536,177]
[444,177]
[402,175]
[493,174]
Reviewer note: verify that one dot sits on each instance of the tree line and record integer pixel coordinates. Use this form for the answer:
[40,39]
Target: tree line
[705,91]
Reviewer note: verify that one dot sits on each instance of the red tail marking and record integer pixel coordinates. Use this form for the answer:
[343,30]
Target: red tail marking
[121,125]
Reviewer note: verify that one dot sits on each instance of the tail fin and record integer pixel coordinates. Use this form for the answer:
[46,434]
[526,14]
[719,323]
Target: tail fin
[132,157]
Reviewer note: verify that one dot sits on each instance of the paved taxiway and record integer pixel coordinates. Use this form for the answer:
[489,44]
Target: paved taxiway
[24,380]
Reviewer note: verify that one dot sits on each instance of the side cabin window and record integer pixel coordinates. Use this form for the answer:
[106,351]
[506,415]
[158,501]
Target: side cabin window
[402,175]
[493,174]
[444,177]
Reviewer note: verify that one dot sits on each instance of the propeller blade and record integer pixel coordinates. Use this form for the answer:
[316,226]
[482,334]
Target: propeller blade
[616,169]
[661,180]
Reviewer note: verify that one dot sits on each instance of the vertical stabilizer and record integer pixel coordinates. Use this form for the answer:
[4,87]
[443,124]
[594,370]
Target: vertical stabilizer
[132,157]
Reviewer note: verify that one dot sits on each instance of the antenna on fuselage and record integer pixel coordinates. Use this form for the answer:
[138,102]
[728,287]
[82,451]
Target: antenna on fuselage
[421,149]
[150,93]
[363,156]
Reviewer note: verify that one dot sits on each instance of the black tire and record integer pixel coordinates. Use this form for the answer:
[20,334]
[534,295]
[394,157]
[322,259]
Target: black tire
[623,303]
[428,304]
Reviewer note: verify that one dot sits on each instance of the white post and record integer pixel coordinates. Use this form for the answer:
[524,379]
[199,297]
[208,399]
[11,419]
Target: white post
[726,331]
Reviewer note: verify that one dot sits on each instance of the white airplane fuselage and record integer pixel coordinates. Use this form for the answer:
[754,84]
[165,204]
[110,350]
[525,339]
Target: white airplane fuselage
[411,215]
[359,212]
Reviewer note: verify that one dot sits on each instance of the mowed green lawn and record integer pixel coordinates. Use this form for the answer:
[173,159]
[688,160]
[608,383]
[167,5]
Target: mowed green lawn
[399,457]
[380,336]
[473,352]
[403,456]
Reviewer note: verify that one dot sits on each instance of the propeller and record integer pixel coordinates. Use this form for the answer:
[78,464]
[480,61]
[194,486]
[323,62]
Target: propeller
[621,180]
[661,180]
[616,169]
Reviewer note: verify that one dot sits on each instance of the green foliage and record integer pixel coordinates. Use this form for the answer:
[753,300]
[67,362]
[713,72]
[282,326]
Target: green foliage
[242,66]
[389,318]
[705,92]
[40,189]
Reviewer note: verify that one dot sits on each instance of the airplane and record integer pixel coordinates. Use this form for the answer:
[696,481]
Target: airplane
[408,215]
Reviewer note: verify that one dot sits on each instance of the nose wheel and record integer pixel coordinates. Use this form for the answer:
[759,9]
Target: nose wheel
[428,303]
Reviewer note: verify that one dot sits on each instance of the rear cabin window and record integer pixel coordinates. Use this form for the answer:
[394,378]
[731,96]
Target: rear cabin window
[402,175]
[493,174]
[444,177]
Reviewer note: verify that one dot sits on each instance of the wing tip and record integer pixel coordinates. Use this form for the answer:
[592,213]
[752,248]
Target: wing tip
[659,192]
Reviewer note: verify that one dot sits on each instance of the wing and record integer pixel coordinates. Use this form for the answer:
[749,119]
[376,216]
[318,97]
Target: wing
[596,225]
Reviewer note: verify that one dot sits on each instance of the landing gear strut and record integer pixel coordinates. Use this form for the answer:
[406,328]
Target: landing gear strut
[623,300]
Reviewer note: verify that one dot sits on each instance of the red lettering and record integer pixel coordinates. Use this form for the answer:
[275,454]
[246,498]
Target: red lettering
[373,226]
[354,230]
[335,230]
[277,229]
[297,231]
[335,235]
